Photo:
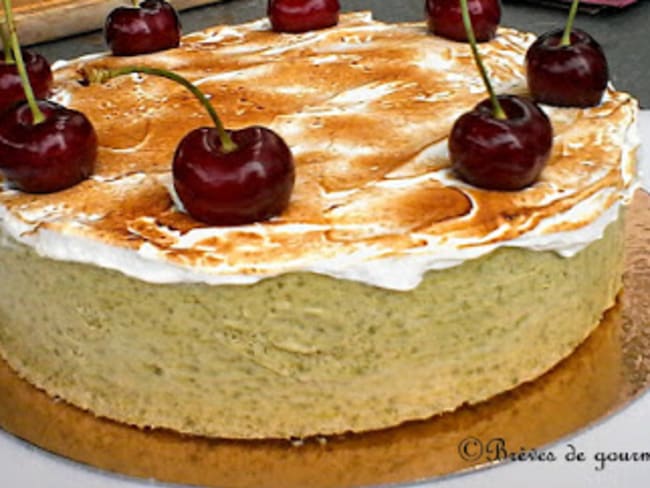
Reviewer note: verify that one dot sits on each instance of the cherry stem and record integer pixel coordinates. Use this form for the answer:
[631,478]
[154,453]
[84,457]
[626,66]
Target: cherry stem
[497,110]
[100,75]
[37,115]
[566,37]
[6,43]
[136,3]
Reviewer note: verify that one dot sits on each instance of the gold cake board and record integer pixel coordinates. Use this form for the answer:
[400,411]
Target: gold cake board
[610,369]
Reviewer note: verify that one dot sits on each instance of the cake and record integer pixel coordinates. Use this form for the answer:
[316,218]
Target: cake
[388,291]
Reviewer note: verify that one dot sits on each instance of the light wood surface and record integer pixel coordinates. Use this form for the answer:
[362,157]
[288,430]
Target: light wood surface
[45,20]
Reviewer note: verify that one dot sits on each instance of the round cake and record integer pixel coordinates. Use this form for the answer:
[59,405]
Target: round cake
[388,291]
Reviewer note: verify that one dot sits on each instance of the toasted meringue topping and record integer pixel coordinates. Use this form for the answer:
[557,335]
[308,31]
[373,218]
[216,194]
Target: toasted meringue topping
[366,108]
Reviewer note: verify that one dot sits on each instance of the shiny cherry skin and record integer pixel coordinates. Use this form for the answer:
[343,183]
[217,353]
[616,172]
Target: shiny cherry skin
[302,15]
[46,157]
[496,154]
[250,184]
[40,77]
[444,19]
[153,26]
[567,76]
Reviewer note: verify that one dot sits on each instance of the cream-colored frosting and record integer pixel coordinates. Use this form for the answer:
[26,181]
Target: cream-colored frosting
[366,108]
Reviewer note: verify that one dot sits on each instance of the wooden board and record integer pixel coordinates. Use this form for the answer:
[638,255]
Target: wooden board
[610,369]
[45,20]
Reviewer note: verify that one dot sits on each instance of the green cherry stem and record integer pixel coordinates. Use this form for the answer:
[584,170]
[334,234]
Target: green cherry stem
[136,3]
[37,115]
[6,43]
[497,110]
[566,37]
[102,75]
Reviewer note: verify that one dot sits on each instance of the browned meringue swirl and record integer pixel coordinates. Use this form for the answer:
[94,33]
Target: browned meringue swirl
[366,108]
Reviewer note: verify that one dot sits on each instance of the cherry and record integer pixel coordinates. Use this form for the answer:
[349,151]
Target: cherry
[223,177]
[567,67]
[302,15]
[250,184]
[11,89]
[152,26]
[501,154]
[48,156]
[444,19]
[573,75]
[504,142]
[44,147]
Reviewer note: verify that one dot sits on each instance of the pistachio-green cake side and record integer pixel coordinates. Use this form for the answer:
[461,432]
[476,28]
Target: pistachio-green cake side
[298,354]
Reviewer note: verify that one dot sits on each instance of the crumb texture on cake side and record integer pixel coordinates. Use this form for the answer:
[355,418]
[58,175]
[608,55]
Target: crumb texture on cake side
[299,354]
[368,302]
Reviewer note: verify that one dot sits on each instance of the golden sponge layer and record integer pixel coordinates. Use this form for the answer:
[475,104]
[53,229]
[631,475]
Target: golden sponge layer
[300,354]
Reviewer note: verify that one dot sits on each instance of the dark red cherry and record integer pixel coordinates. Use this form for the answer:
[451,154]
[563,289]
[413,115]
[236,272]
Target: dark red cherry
[498,154]
[302,15]
[568,76]
[153,26]
[445,20]
[250,184]
[40,77]
[49,156]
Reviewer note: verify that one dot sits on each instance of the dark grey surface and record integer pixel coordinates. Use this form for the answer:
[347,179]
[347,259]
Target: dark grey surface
[624,34]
